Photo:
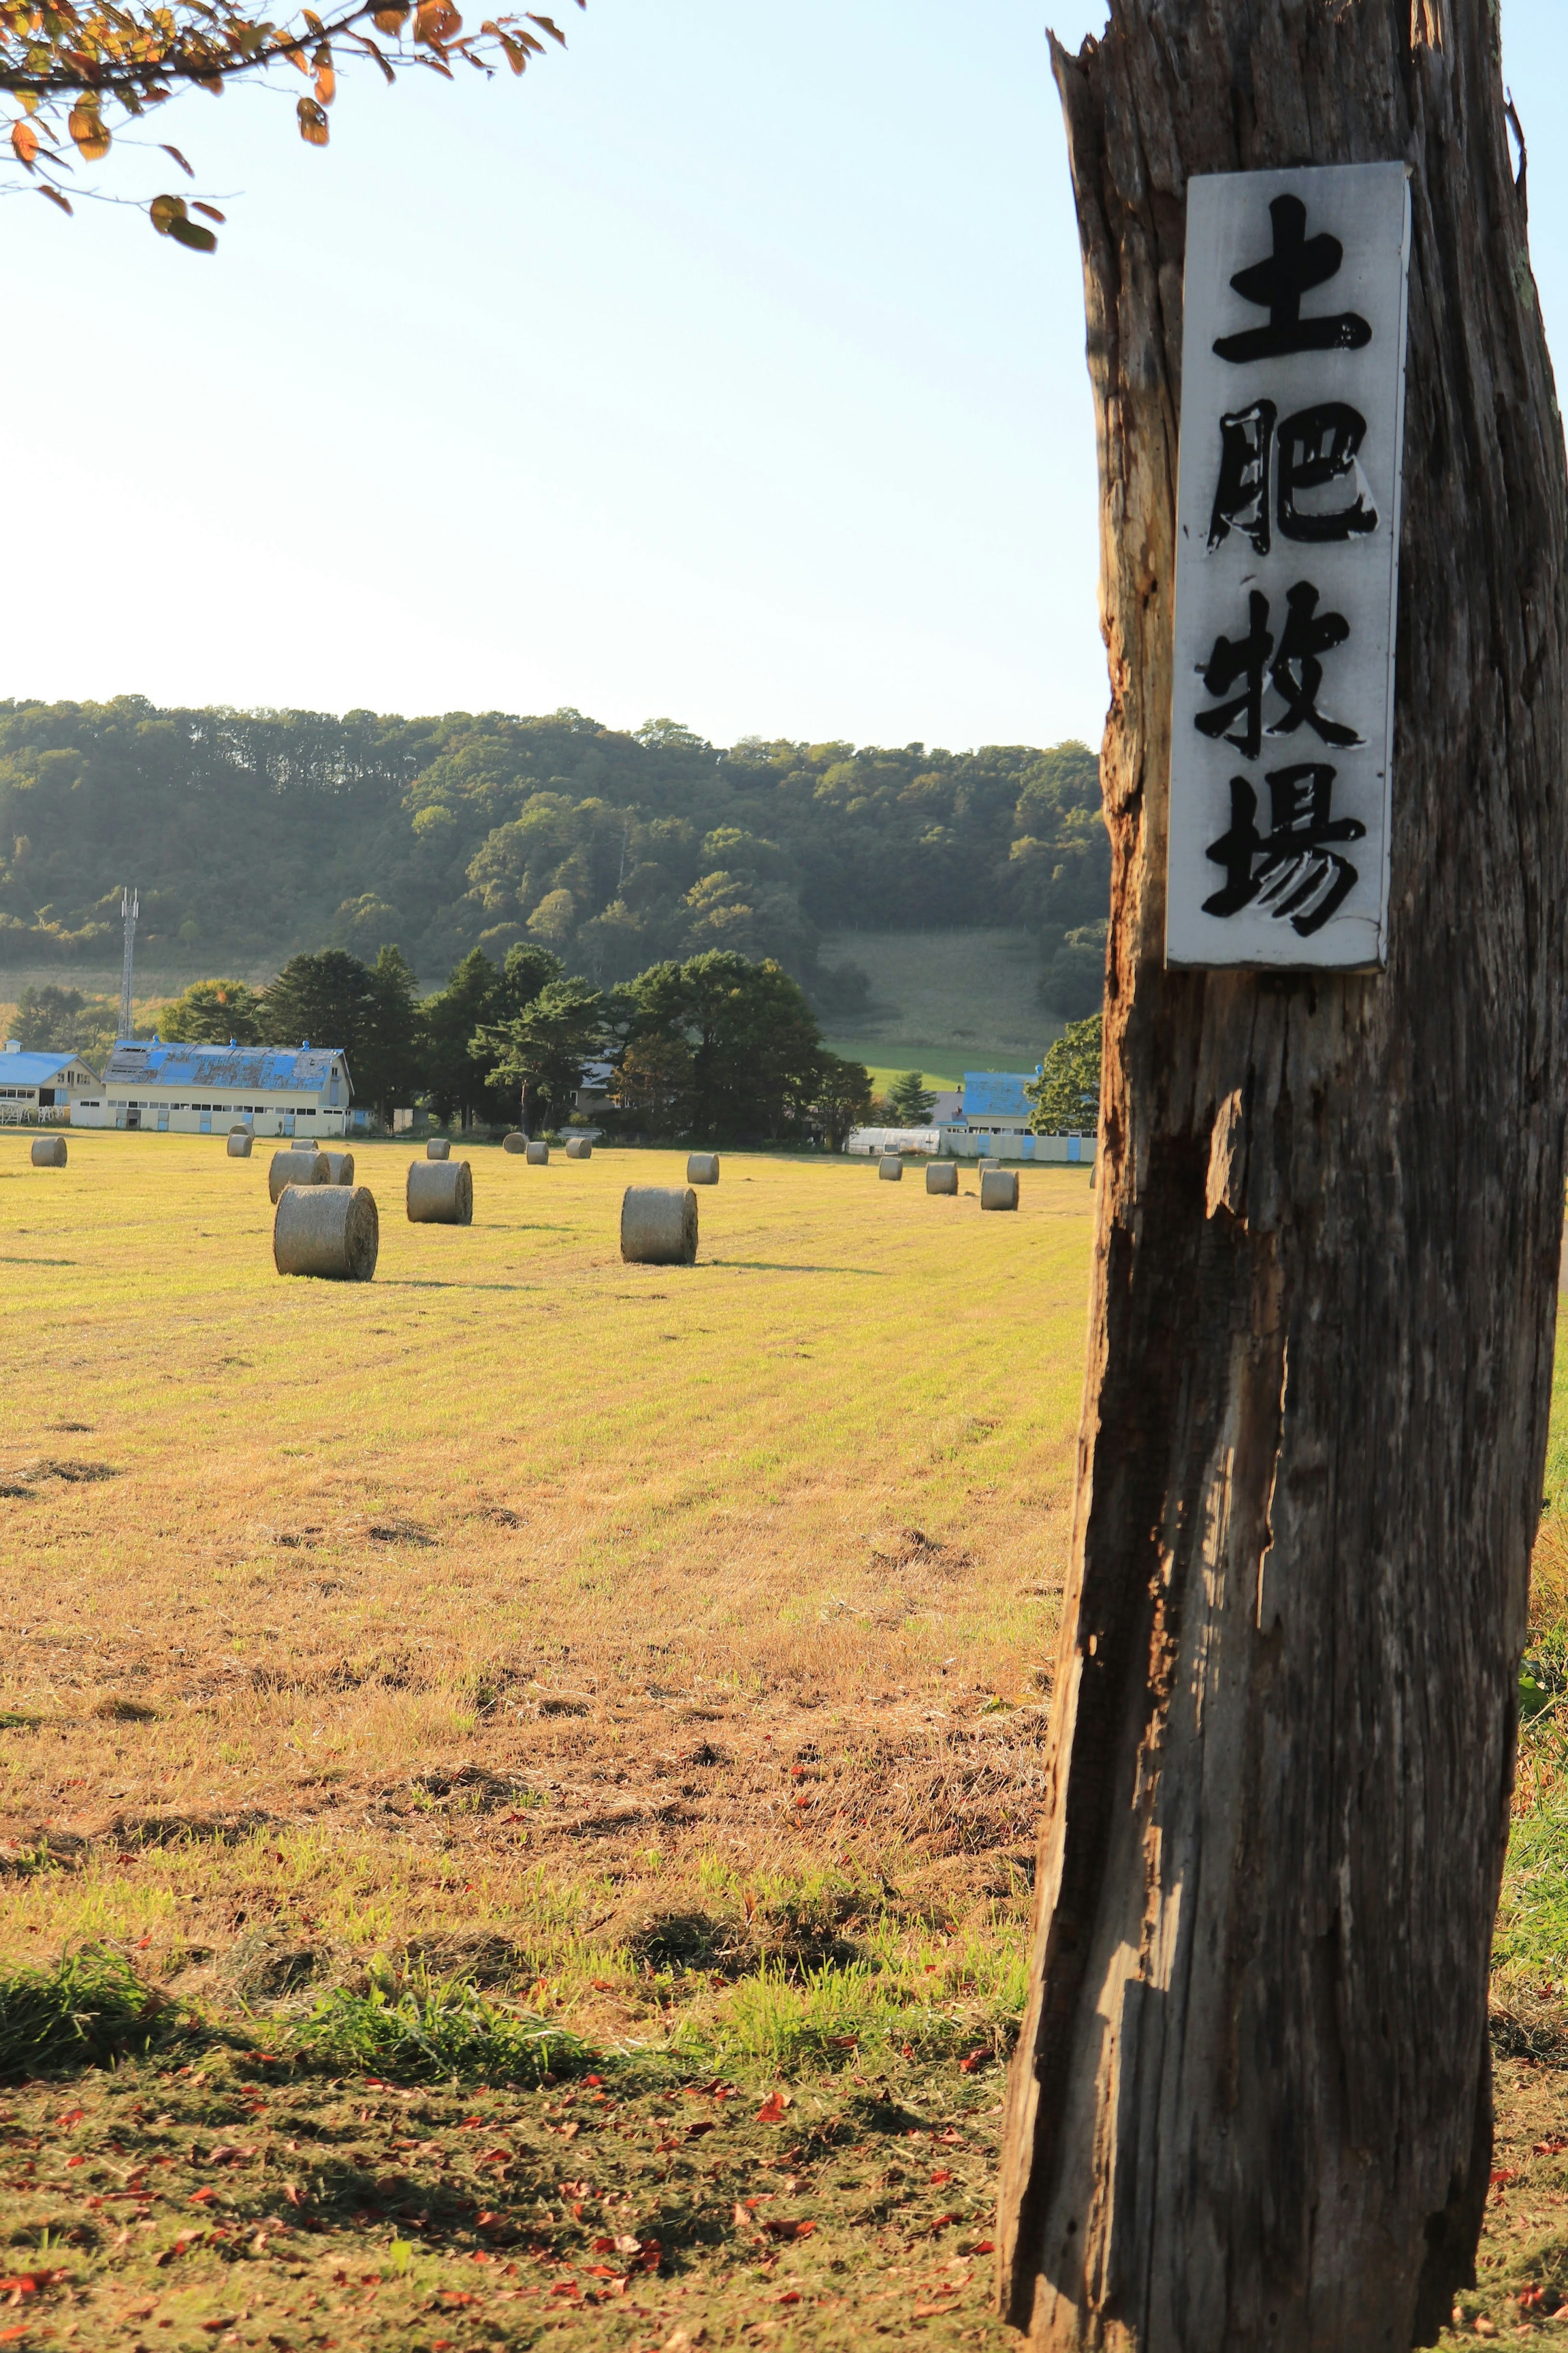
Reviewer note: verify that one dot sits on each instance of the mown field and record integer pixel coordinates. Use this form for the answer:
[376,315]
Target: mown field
[527,1767]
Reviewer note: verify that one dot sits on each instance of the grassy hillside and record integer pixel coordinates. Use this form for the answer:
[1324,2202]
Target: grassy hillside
[944,1002]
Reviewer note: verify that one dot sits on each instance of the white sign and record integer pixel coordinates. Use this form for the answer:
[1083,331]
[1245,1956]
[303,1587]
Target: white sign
[1287,567]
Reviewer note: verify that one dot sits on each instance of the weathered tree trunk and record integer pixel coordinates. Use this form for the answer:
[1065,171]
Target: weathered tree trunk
[1252,2106]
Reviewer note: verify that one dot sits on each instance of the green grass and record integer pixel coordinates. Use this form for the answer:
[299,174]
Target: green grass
[944,1003]
[81,2010]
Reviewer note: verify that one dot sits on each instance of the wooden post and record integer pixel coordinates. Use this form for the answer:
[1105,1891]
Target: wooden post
[1251,2106]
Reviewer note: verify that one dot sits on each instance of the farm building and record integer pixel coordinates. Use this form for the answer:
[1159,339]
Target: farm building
[43,1085]
[203,1090]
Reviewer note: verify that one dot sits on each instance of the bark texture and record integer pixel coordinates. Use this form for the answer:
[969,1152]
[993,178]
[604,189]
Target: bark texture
[1251,2106]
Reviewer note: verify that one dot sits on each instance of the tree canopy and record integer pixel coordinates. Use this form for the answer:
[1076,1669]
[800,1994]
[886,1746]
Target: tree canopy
[77,70]
[1065,1098]
[256,836]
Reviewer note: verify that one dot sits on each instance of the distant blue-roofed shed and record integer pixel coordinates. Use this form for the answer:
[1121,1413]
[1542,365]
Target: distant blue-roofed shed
[206,1089]
[44,1085]
[996,1094]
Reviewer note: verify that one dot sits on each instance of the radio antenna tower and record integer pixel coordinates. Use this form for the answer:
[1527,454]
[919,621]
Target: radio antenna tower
[129,907]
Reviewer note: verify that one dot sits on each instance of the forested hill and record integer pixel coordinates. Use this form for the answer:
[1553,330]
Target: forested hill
[252,835]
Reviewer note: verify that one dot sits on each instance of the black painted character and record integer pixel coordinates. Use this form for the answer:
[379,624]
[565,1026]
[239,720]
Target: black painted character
[1291,870]
[1294,670]
[1317,446]
[1298,264]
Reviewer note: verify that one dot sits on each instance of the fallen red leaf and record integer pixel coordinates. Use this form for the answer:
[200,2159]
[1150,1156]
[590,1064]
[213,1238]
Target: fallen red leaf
[976,2059]
[1503,2175]
[944,2173]
[77,2160]
[983,2247]
[71,2116]
[773,2108]
[200,2197]
[789,2296]
[779,2226]
[1552,2148]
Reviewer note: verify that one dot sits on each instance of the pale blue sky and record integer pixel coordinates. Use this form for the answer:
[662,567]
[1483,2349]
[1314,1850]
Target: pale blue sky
[728,367]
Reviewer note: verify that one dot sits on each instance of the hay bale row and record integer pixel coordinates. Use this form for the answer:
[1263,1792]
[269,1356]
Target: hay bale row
[340,1168]
[999,1189]
[514,1142]
[891,1169]
[702,1168]
[579,1148]
[48,1152]
[538,1153]
[240,1143]
[941,1176]
[326,1230]
[296,1164]
[440,1193]
[658,1225]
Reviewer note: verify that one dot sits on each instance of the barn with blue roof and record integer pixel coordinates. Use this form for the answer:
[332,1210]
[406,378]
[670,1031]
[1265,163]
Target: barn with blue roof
[45,1085]
[188,1090]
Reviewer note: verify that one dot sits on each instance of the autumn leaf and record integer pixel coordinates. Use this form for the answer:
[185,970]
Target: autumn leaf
[211,211]
[179,159]
[23,143]
[773,2108]
[86,130]
[388,20]
[314,126]
[435,20]
[547,24]
[326,79]
[779,2226]
[164,211]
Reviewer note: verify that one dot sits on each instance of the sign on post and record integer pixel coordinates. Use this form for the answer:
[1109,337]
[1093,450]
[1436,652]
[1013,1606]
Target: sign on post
[1288,567]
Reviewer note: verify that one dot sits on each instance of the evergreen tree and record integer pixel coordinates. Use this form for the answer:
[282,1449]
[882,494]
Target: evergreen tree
[541,1052]
[910,1099]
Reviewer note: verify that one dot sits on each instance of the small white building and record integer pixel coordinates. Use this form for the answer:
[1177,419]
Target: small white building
[206,1089]
[43,1085]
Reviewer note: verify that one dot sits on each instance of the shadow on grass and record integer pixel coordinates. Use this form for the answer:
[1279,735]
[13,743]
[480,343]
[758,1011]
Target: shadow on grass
[776,1266]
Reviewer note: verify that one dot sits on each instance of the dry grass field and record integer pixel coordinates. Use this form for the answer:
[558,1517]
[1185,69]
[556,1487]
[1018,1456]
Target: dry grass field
[518,1778]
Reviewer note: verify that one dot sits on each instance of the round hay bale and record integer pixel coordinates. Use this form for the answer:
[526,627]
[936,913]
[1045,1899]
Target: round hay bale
[326,1230]
[48,1152]
[538,1153]
[999,1189]
[340,1168]
[891,1169]
[437,1147]
[702,1168]
[440,1193]
[240,1141]
[941,1176]
[297,1164]
[515,1142]
[579,1148]
[658,1225]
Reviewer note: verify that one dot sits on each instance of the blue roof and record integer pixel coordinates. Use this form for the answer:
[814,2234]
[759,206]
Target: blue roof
[258,1069]
[34,1070]
[996,1094]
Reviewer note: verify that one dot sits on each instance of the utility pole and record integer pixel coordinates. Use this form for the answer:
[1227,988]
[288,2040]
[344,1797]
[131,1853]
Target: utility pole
[129,907]
[1250,2110]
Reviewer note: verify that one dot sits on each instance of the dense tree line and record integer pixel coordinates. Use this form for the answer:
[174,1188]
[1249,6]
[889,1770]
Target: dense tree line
[256,835]
[718,1046]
